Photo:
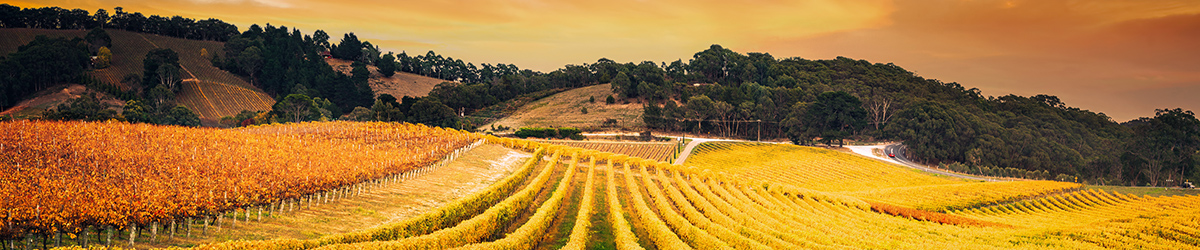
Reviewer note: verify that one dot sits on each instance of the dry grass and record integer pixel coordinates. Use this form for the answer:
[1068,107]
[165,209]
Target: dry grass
[52,97]
[399,85]
[471,172]
[565,110]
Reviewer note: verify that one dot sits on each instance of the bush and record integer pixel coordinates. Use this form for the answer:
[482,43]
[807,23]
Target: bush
[584,110]
[572,133]
[610,100]
[536,133]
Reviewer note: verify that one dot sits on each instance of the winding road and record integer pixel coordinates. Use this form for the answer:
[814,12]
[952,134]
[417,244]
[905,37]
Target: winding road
[898,149]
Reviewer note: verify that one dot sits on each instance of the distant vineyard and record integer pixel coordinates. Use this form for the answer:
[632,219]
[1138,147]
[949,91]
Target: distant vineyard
[664,152]
[129,49]
[63,177]
[818,169]
[212,100]
[652,205]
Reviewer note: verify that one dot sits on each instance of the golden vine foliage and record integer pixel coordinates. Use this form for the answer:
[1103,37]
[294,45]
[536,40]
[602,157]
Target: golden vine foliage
[62,176]
[697,207]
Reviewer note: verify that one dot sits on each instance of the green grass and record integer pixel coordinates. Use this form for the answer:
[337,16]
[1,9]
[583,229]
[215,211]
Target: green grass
[1146,191]
[601,236]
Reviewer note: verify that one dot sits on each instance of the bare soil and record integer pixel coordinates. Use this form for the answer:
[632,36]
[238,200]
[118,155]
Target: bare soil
[54,96]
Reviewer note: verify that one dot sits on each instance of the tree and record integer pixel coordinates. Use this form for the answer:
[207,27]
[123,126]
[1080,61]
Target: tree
[797,132]
[103,58]
[349,49]
[1167,143]
[880,109]
[387,65]
[430,111]
[86,108]
[182,116]
[621,84]
[250,61]
[97,38]
[155,59]
[700,108]
[386,111]
[101,18]
[136,112]
[161,98]
[836,115]
[40,64]
[297,107]
[168,75]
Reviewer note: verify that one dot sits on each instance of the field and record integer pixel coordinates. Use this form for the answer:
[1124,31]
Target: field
[212,93]
[213,100]
[112,174]
[565,110]
[658,151]
[726,196]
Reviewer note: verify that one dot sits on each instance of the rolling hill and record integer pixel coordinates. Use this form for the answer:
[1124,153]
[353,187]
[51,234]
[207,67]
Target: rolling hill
[399,85]
[211,92]
[565,110]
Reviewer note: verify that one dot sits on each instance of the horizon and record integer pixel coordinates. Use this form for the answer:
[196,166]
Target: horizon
[1121,58]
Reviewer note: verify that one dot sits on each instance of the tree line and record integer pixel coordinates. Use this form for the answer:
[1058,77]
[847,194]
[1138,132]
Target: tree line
[59,18]
[751,96]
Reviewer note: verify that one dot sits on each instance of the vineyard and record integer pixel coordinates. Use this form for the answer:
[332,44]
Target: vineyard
[211,92]
[213,100]
[68,177]
[665,151]
[646,204]
[750,196]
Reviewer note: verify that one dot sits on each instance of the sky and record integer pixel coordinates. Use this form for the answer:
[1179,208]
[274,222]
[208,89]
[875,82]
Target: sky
[1123,58]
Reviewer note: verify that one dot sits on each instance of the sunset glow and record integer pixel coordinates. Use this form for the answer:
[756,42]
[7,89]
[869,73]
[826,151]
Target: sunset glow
[1123,58]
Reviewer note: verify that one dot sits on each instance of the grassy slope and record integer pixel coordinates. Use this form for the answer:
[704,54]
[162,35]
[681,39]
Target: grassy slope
[565,110]
[399,85]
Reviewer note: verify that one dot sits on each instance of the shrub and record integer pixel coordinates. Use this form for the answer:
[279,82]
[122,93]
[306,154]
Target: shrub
[584,110]
[610,100]
[573,133]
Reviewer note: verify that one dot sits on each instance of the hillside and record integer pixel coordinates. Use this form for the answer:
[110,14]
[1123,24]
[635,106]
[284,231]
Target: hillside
[398,85]
[210,92]
[565,110]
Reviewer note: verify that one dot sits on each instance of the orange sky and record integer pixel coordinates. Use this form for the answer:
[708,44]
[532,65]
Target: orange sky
[1120,57]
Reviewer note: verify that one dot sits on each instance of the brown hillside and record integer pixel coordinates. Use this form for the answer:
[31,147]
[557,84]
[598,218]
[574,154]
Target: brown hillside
[211,92]
[399,85]
[565,110]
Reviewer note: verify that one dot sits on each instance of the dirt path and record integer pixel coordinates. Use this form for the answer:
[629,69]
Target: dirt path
[473,171]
